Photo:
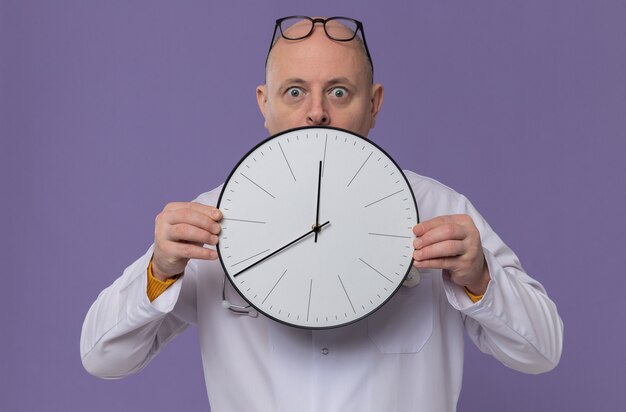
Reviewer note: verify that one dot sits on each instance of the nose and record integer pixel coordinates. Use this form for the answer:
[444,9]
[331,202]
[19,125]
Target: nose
[317,114]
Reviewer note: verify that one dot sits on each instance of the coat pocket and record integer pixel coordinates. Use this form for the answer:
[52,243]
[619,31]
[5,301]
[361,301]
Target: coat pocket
[405,323]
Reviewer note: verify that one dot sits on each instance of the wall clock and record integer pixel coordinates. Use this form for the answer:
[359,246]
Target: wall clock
[317,227]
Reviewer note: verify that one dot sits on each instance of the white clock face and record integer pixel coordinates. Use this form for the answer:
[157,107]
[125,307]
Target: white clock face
[317,266]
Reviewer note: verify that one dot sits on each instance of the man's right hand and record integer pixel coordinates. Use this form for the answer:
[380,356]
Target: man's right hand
[180,232]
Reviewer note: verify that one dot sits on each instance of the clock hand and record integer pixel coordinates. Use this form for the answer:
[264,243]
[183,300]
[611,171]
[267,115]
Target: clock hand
[315,229]
[317,213]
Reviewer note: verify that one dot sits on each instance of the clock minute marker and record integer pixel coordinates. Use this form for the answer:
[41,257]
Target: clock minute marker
[375,270]
[384,234]
[385,197]
[257,185]
[241,261]
[346,292]
[288,165]
[242,220]
[308,310]
[357,172]
[273,287]
[324,160]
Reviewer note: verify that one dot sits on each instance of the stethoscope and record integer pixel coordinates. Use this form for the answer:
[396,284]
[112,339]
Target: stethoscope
[237,309]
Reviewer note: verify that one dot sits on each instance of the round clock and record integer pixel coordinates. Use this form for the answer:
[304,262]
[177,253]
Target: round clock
[317,227]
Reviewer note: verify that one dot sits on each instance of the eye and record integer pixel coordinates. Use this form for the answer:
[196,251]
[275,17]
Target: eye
[338,92]
[294,92]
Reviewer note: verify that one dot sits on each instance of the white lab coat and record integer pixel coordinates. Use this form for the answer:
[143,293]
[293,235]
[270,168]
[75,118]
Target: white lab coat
[407,356]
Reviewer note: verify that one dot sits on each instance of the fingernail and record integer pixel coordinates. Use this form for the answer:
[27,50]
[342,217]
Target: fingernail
[216,214]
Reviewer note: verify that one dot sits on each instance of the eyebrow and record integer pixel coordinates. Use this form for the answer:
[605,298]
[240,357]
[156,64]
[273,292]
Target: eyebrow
[339,80]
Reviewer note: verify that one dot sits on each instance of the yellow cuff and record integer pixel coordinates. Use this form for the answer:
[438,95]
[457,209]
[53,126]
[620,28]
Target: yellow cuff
[473,298]
[155,286]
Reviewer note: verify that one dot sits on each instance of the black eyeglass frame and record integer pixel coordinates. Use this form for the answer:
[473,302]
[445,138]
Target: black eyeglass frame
[359,26]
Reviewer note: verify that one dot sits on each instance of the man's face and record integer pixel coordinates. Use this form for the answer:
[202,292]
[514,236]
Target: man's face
[319,82]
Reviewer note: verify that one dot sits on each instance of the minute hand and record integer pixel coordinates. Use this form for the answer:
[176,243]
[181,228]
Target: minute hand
[315,229]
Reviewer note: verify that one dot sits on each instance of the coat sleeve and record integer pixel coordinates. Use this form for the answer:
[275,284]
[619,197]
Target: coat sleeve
[123,330]
[515,321]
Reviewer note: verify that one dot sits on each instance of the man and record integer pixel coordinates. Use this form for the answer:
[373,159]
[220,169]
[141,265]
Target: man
[406,356]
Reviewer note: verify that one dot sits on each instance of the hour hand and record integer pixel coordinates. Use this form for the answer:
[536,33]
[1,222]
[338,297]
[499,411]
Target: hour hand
[317,227]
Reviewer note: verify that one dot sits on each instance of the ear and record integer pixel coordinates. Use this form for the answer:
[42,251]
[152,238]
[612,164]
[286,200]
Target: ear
[376,102]
[261,99]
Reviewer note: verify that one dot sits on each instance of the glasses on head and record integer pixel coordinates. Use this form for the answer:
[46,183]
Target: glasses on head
[336,28]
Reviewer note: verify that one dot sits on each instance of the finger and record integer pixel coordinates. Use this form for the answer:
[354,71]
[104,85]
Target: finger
[448,248]
[442,233]
[210,211]
[448,263]
[192,217]
[189,233]
[191,251]
[427,225]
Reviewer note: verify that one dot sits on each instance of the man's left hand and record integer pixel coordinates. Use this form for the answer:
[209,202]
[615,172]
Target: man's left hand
[452,243]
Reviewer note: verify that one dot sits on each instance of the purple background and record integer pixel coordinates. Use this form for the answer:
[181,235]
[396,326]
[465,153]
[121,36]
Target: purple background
[110,109]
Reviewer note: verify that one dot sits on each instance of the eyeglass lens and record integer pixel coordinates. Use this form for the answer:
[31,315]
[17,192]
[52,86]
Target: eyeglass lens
[296,28]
